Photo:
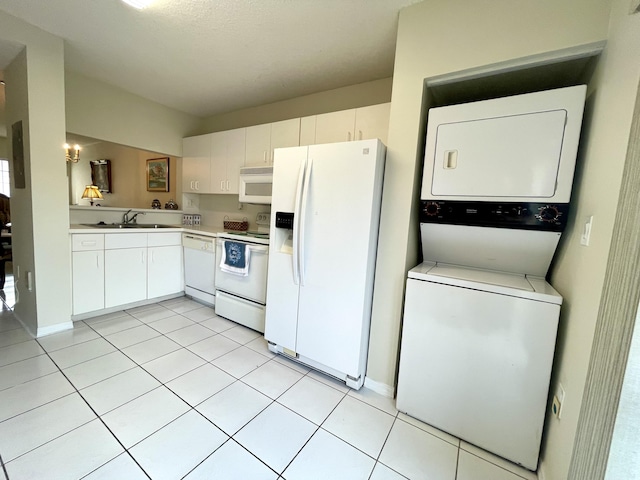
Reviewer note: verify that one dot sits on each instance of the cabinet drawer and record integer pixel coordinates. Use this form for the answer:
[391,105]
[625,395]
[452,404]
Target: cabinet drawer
[164,239]
[89,241]
[125,240]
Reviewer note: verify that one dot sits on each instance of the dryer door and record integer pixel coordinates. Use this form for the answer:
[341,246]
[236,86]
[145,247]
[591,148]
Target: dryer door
[505,156]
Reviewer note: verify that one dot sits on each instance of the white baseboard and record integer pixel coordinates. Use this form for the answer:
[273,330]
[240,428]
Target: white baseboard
[51,329]
[540,473]
[119,308]
[380,388]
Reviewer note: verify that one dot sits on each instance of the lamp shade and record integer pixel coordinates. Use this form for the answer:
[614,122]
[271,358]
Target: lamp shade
[91,192]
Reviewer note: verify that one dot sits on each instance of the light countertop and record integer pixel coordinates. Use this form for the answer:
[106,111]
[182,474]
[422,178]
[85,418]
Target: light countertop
[207,230]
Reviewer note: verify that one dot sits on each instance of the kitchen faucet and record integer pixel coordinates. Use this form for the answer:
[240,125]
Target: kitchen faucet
[133,219]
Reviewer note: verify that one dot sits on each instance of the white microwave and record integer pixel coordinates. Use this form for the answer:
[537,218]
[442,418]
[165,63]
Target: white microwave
[256,184]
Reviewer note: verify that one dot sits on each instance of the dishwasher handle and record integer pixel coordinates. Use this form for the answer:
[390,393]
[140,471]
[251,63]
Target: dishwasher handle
[195,242]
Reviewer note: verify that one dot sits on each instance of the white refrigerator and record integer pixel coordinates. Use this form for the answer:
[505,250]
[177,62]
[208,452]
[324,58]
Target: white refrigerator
[325,214]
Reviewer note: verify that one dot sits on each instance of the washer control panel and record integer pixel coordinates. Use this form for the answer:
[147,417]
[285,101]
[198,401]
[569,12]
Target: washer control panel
[526,216]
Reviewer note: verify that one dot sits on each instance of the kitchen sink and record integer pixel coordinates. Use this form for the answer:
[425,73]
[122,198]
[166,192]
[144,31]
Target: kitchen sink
[127,225]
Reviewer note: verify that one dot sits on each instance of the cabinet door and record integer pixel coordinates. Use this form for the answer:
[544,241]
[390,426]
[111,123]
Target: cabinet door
[284,134]
[373,122]
[88,281]
[258,144]
[335,127]
[125,276]
[196,164]
[308,130]
[235,158]
[164,271]
[218,162]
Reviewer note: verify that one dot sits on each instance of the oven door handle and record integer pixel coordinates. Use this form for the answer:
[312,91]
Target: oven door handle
[252,247]
[256,249]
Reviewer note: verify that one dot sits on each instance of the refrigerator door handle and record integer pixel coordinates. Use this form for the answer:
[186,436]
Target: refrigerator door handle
[303,214]
[296,224]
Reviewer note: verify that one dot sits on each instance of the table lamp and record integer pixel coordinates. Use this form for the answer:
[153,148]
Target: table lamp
[91,192]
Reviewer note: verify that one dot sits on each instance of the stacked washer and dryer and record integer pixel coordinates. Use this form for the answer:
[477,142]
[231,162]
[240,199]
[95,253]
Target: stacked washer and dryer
[480,320]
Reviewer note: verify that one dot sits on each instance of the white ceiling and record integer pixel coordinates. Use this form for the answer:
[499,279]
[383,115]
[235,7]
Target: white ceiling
[210,56]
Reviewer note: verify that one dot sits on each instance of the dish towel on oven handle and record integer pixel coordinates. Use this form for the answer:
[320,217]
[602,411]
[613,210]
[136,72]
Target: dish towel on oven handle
[235,258]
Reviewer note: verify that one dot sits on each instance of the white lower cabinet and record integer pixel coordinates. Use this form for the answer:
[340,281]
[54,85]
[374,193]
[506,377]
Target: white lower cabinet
[164,271]
[124,268]
[125,276]
[88,281]
[87,269]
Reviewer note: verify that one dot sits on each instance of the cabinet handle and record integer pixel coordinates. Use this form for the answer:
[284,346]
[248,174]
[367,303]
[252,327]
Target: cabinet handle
[264,156]
[197,184]
[142,257]
[150,256]
[97,261]
[222,186]
[228,188]
[359,134]
[191,185]
[348,136]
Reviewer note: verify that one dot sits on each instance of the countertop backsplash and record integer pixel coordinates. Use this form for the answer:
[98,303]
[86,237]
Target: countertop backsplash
[214,208]
[82,214]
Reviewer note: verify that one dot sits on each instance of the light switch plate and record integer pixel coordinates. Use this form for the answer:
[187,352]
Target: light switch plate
[586,231]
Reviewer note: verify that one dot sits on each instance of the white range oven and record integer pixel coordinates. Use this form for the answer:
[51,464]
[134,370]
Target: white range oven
[241,296]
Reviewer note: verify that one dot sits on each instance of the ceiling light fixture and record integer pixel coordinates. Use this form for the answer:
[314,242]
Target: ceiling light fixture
[139,4]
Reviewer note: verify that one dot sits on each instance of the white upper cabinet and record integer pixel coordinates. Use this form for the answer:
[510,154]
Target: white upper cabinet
[227,156]
[346,125]
[196,164]
[258,144]
[285,134]
[335,126]
[261,140]
[372,122]
[211,163]
[308,130]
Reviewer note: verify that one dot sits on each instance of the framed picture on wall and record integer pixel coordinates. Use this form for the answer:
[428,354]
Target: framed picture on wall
[101,174]
[158,174]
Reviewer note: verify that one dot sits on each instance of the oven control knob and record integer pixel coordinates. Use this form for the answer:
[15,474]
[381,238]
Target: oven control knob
[432,209]
[548,214]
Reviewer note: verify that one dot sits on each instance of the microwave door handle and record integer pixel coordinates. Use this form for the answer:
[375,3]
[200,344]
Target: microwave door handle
[296,223]
[303,214]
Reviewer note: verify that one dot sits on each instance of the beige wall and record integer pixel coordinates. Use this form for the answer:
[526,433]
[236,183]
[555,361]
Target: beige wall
[361,95]
[579,271]
[98,110]
[40,217]
[500,31]
[128,176]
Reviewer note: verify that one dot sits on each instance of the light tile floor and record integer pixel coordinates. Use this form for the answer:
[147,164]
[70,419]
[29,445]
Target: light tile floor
[170,391]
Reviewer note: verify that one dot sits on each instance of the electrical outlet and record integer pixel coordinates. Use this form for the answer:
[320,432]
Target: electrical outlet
[555,406]
[558,401]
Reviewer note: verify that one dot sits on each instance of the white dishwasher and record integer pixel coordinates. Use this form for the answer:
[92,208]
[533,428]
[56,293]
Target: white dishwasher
[199,267]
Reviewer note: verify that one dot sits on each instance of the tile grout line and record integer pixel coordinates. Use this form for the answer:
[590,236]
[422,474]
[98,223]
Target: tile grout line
[457,461]
[98,417]
[4,468]
[386,439]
